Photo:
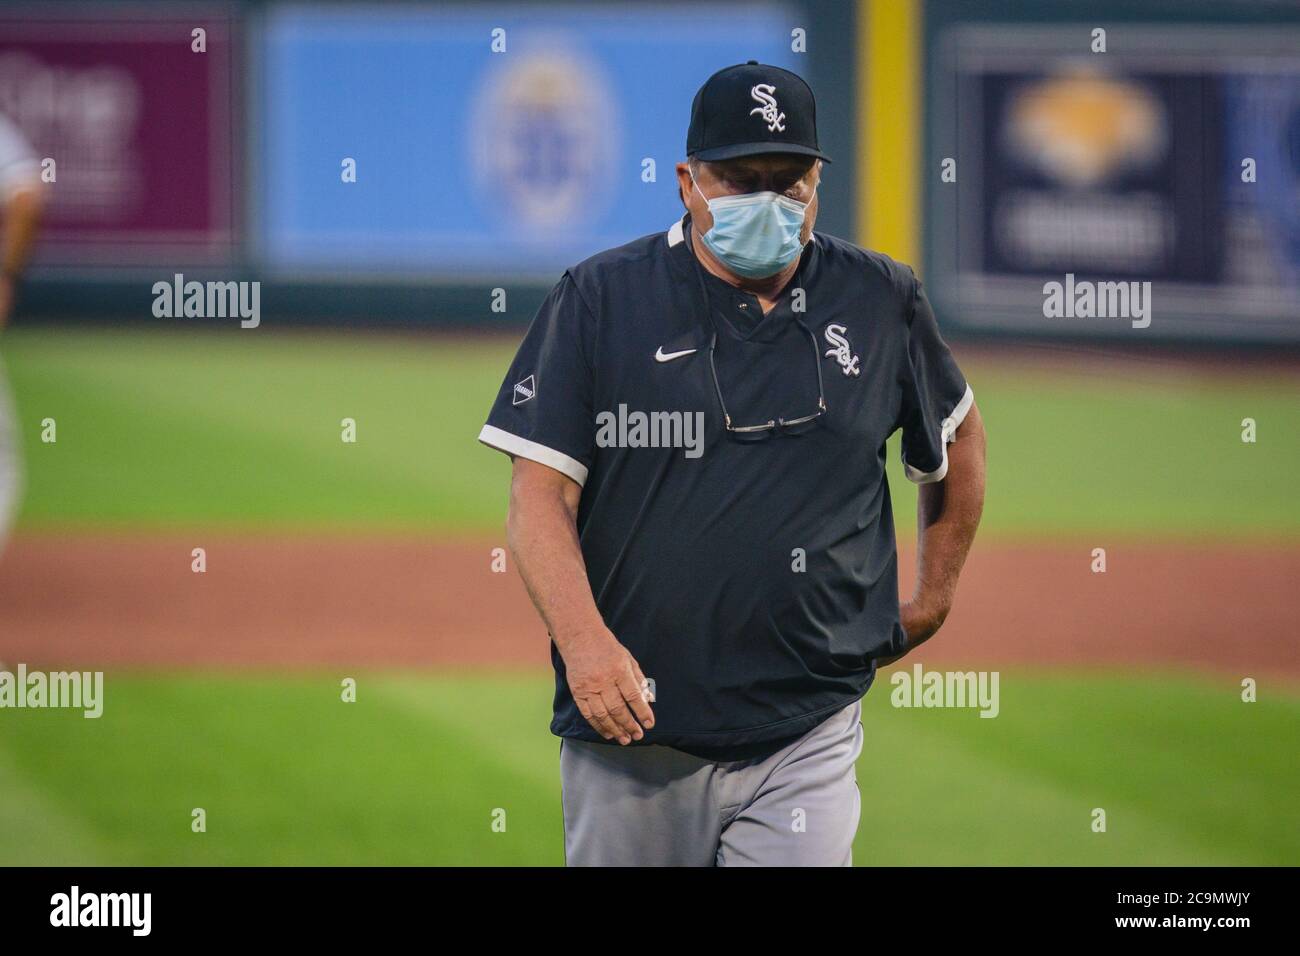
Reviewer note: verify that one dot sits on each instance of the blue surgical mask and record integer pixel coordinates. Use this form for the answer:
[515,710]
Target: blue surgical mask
[754,235]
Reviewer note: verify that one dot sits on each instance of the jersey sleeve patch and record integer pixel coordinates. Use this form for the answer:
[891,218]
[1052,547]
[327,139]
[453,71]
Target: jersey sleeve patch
[543,410]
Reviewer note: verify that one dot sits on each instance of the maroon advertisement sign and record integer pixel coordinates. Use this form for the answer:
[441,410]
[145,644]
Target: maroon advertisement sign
[134,107]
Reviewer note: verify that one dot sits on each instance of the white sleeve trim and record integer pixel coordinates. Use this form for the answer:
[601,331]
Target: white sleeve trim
[947,433]
[514,445]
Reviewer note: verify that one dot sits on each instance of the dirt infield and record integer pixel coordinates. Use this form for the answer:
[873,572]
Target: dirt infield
[80,600]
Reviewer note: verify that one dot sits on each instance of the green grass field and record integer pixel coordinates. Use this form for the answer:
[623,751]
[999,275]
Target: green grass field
[179,429]
[413,772]
[159,429]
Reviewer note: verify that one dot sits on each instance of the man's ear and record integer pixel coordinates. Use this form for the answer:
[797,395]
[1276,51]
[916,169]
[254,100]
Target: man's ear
[680,194]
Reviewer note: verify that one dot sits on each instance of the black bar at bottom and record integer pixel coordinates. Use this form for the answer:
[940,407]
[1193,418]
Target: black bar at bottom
[217,905]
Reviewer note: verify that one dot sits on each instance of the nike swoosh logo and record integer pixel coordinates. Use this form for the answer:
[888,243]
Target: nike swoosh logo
[662,356]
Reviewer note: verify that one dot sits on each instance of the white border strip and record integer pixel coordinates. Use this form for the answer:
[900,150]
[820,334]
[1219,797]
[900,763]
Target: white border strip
[514,445]
[947,433]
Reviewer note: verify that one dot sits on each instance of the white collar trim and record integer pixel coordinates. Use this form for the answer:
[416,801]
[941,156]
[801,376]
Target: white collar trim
[676,233]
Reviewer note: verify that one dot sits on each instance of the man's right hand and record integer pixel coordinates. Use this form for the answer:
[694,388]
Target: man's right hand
[607,683]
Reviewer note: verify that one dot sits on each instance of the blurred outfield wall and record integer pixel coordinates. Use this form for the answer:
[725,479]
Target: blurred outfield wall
[985,142]
[494,144]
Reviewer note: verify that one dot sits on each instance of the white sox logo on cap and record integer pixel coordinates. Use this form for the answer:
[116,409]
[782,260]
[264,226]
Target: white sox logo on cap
[723,125]
[771,114]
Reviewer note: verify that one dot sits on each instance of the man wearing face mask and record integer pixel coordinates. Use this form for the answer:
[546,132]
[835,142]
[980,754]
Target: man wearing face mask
[719,598]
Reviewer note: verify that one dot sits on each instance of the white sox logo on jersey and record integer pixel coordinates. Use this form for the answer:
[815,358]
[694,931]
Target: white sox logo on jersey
[774,118]
[841,350]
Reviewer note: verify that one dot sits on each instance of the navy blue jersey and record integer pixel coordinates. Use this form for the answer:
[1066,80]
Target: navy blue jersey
[754,580]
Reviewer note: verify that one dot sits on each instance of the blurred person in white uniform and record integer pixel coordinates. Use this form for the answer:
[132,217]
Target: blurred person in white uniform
[20,208]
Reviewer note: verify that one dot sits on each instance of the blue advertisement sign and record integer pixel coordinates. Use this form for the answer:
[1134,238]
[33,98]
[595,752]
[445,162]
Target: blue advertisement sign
[481,143]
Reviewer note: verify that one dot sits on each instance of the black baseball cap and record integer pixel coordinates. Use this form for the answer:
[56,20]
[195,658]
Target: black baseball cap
[750,109]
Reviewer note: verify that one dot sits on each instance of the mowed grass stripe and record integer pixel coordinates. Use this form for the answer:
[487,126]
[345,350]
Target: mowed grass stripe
[189,427]
[928,800]
[163,430]
[287,773]
[36,832]
[1186,772]
[219,469]
[413,772]
[1080,457]
[518,737]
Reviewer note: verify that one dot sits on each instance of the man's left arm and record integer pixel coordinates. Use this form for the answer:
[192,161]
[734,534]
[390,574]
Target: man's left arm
[947,515]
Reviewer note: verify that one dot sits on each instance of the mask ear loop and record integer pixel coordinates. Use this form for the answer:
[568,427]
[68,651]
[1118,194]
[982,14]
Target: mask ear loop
[696,186]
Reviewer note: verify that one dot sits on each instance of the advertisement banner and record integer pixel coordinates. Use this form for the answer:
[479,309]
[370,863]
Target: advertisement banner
[478,143]
[130,113]
[1171,162]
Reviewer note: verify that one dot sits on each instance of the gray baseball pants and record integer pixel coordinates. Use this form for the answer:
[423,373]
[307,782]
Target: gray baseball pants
[656,806]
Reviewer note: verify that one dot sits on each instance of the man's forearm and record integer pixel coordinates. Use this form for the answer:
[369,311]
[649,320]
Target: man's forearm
[608,687]
[948,514]
[543,538]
